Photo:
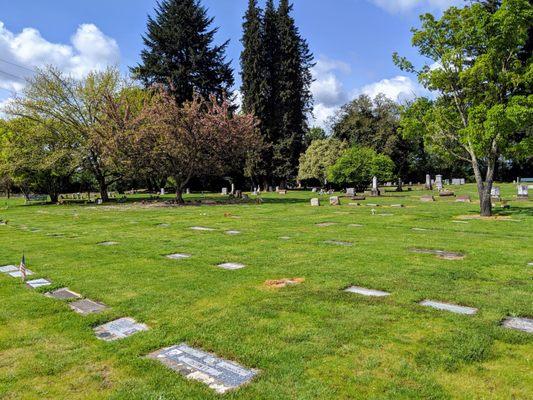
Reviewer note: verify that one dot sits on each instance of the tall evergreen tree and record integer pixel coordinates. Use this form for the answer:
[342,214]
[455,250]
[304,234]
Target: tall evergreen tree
[179,52]
[295,97]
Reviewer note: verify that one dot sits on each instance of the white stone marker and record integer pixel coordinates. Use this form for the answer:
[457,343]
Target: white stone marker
[449,307]
[8,268]
[107,243]
[233,232]
[119,329]
[218,374]
[315,202]
[231,266]
[178,256]
[18,274]
[37,283]
[366,292]
[224,191]
[201,228]
[523,191]
[521,324]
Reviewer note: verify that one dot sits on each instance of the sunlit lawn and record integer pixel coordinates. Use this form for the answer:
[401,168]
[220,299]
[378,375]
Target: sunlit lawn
[310,341]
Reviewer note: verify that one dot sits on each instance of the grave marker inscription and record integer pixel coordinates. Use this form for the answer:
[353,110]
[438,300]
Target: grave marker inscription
[119,329]
[218,374]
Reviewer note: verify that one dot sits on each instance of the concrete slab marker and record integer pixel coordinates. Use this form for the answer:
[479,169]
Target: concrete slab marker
[233,232]
[218,374]
[119,329]
[63,294]
[201,228]
[325,224]
[178,256]
[285,238]
[420,229]
[231,266]
[454,308]
[107,243]
[86,307]
[8,268]
[18,274]
[37,283]
[366,292]
[520,324]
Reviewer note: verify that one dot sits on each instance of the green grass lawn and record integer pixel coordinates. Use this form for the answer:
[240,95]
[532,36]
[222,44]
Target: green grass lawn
[309,341]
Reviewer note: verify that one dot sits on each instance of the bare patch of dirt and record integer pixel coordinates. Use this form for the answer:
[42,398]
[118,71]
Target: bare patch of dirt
[281,283]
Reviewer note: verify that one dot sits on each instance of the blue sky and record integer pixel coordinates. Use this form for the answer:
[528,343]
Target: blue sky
[352,40]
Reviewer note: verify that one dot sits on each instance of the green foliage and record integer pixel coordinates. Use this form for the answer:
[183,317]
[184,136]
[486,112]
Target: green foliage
[321,154]
[358,165]
[315,133]
[483,82]
[179,53]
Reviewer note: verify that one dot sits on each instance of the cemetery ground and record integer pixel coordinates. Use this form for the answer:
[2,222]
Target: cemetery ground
[311,340]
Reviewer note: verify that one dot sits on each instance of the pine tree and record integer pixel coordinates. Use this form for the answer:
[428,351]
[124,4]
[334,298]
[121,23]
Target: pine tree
[295,99]
[179,53]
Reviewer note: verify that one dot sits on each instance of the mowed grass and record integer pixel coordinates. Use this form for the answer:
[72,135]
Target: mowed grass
[310,341]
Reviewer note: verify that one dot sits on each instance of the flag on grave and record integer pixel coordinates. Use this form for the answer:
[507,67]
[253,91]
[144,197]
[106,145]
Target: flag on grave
[22,267]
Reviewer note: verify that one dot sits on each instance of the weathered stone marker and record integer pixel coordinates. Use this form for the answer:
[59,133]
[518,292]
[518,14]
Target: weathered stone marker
[339,243]
[523,191]
[218,374]
[233,232]
[8,268]
[315,202]
[446,255]
[119,329]
[107,243]
[201,228]
[375,189]
[449,307]
[63,294]
[325,224]
[366,292]
[86,307]
[334,201]
[224,191]
[350,192]
[428,185]
[520,324]
[18,274]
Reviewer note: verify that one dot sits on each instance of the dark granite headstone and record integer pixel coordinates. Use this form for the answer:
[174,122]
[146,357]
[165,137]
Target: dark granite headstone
[63,294]
[86,306]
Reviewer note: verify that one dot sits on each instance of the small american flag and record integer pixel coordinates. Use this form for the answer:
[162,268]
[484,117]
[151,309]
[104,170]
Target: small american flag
[22,267]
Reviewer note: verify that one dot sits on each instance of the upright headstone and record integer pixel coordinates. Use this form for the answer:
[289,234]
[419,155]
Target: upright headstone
[315,202]
[162,191]
[523,191]
[334,201]
[428,182]
[313,190]
[438,182]
[188,191]
[495,192]
[224,191]
[232,188]
[350,192]
[399,186]
[375,190]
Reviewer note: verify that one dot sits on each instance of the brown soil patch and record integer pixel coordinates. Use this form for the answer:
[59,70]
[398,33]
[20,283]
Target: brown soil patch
[281,283]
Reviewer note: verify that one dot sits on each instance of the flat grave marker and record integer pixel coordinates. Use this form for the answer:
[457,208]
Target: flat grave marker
[231,266]
[218,374]
[454,308]
[119,329]
[107,243]
[325,224]
[86,307]
[366,292]
[18,274]
[233,233]
[285,238]
[37,283]
[63,294]
[202,228]
[419,229]
[446,255]
[8,268]
[520,324]
[178,256]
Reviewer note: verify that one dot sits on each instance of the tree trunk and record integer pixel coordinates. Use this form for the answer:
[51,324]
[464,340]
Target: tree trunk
[484,188]
[54,198]
[179,195]
[485,202]
[103,189]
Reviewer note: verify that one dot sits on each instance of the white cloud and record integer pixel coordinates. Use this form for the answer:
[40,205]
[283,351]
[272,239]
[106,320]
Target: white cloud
[20,53]
[394,6]
[328,91]
[400,88]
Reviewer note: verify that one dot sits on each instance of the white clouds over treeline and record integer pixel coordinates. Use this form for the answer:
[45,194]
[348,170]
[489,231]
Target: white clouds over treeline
[22,52]
[395,6]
